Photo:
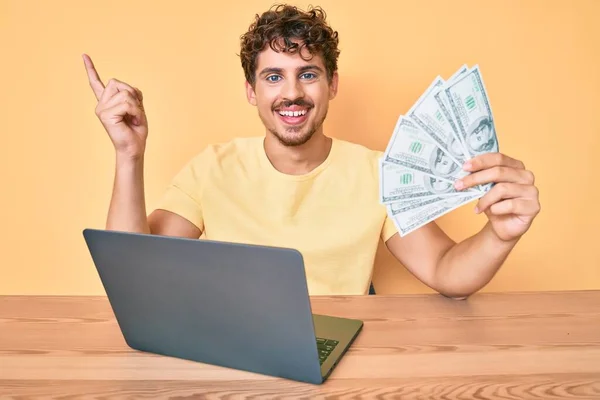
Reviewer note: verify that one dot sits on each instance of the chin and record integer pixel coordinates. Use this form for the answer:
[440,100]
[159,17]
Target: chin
[292,139]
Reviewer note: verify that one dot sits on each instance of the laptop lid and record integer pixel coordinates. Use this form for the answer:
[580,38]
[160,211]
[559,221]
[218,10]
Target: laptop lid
[233,305]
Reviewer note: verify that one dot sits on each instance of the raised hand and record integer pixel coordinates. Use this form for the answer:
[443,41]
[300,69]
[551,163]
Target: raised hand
[120,108]
[513,203]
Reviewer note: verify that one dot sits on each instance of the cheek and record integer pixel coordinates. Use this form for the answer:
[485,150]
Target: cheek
[319,96]
[265,98]
[265,104]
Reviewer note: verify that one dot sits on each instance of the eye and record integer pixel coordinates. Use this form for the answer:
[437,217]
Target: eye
[308,75]
[273,78]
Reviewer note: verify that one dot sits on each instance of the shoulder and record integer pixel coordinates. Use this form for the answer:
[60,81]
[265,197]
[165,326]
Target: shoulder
[221,152]
[358,155]
[357,150]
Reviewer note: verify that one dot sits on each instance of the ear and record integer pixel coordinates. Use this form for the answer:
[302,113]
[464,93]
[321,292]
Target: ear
[333,86]
[250,94]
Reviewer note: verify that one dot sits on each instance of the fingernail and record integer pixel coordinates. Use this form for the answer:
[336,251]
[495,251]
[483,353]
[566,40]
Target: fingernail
[135,120]
[467,166]
[459,185]
[476,210]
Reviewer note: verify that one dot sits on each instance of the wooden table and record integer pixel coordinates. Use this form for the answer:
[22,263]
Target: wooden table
[509,346]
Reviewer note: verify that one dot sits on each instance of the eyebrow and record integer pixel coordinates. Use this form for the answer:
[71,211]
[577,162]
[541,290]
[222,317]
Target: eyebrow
[272,70]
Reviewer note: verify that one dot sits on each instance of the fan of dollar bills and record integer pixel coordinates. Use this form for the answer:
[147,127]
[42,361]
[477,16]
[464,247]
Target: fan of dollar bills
[449,124]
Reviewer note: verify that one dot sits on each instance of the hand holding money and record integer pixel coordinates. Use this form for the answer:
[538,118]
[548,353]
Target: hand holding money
[513,202]
[444,153]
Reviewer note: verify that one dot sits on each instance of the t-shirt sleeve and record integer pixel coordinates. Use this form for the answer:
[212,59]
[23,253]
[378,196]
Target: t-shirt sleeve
[389,229]
[183,195]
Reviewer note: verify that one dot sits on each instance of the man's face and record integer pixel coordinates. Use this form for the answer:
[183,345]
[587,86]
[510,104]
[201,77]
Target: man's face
[455,147]
[439,185]
[443,163]
[292,95]
[479,138]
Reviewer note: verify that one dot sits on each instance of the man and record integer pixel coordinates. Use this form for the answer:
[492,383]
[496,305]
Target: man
[437,186]
[481,139]
[441,164]
[295,186]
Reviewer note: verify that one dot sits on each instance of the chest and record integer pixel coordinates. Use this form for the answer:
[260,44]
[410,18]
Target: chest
[317,214]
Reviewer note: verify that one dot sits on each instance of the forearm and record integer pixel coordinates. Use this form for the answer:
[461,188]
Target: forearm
[127,211]
[469,265]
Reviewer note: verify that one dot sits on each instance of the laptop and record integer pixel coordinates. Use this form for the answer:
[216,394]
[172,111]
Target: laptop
[233,305]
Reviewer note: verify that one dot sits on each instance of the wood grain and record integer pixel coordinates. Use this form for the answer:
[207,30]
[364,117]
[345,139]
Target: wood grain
[492,346]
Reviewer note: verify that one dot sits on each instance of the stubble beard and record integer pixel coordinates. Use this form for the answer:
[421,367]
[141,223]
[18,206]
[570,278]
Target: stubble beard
[298,140]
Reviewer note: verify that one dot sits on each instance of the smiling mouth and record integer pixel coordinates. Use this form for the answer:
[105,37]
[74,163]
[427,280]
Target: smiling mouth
[293,117]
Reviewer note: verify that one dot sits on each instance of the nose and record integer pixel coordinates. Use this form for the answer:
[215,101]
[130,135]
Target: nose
[292,89]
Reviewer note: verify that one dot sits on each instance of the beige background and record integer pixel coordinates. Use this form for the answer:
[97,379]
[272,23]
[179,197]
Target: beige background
[539,59]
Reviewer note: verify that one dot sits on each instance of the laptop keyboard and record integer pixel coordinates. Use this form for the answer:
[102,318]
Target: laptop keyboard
[325,347]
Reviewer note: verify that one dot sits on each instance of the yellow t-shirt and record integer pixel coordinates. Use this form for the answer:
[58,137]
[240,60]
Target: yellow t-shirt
[332,215]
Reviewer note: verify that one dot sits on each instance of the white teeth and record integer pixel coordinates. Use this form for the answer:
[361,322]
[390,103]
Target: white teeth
[292,113]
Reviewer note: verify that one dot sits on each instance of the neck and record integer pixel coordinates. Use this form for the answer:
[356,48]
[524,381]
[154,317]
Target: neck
[297,160]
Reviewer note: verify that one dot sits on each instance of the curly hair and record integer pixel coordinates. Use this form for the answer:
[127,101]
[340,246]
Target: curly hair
[282,23]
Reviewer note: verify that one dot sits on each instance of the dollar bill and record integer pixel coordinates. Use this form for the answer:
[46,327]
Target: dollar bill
[412,219]
[412,148]
[469,106]
[463,69]
[403,206]
[449,124]
[427,113]
[400,183]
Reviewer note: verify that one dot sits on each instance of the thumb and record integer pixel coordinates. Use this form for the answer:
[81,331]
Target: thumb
[140,96]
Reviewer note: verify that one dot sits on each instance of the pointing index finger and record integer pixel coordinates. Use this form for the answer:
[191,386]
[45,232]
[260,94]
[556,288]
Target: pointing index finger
[95,82]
